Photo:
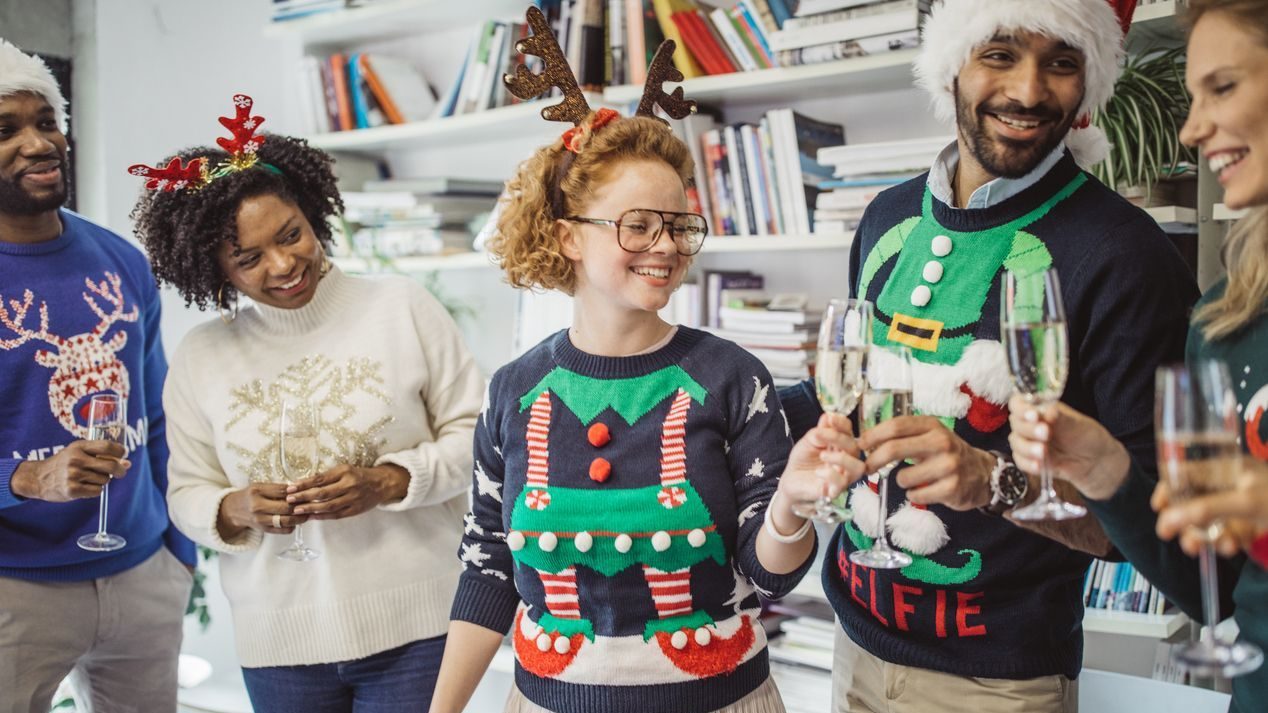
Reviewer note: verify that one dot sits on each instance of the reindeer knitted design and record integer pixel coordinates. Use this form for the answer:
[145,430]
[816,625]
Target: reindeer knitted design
[662,529]
[83,364]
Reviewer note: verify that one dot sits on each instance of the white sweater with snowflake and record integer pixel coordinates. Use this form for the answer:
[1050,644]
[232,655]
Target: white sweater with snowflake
[394,383]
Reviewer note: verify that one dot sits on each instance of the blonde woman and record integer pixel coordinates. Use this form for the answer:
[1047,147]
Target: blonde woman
[1228,76]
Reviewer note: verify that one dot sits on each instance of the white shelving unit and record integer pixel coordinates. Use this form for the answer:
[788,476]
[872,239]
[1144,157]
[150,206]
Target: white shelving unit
[491,125]
[860,75]
[385,20]
[1173,214]
[718,245]
[1223,212]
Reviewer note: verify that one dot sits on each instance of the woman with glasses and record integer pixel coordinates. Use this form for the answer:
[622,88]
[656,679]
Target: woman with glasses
[1227,72]
[627,465]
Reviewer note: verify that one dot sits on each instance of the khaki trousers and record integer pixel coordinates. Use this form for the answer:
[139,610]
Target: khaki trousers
[118,638]
[862,683]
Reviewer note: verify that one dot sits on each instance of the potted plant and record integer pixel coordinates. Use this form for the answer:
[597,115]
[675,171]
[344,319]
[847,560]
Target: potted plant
[1143,120]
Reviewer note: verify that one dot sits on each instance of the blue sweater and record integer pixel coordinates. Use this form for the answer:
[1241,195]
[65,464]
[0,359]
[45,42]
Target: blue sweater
[993,600]
[616,508]
[101,307]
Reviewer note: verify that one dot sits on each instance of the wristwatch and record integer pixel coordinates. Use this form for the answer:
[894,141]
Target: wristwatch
[1008,486]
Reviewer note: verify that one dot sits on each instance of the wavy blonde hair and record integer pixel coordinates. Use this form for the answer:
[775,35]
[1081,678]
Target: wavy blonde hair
[555,182]
[1245,252]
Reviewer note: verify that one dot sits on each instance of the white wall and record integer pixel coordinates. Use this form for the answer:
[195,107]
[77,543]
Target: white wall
[152,76]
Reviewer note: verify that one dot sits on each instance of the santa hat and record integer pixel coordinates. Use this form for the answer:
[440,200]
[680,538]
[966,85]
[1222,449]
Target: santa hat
[1095,27]
[21,72]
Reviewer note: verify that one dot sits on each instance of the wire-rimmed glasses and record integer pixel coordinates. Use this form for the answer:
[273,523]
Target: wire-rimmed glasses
[638,229]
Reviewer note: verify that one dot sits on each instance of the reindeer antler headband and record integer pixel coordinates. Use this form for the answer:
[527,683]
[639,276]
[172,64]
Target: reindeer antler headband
[198,172]
[574,108]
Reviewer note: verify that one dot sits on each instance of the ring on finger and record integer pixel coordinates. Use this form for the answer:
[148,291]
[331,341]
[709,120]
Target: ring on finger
[277,521]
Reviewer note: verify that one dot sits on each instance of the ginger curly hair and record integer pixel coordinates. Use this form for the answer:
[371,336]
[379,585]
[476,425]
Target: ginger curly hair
[555,182]
[182,230]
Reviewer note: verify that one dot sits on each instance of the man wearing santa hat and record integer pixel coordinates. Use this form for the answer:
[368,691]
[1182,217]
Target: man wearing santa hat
[987,616]
[79,317]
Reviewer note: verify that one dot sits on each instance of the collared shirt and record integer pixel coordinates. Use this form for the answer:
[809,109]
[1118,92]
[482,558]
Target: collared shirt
[992,192]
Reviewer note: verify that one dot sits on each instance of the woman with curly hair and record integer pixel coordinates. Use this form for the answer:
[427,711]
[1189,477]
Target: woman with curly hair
[624,513]
[394,394]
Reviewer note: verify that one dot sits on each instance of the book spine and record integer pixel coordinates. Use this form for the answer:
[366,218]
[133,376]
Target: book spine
[636,52]
[738,49]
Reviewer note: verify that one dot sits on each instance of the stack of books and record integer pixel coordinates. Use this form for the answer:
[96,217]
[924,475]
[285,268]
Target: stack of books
[1117,586]
[426,216]
[780,331]
[758,179]
[826,30]
[358,90]
[861,171]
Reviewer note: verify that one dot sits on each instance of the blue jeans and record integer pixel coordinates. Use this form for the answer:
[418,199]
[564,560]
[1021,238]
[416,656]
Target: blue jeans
[400,679]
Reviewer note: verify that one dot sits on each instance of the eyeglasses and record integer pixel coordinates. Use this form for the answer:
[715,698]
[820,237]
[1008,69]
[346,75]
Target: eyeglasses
[639,229]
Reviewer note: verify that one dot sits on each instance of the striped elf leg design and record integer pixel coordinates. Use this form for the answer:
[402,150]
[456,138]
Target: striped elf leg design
[673,452]
[538,438]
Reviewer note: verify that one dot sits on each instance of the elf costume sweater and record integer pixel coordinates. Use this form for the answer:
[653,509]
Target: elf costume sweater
[387,371]
[984,597]
[79,315]
[615,512]
[1129,521]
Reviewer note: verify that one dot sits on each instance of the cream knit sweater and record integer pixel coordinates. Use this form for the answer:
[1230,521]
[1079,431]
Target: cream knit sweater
[394,384]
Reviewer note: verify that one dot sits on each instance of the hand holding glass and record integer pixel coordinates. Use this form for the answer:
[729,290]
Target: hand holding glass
[299,456]
[888,395]
[844,335]
[1196,428]
[107,421]
[1033,329]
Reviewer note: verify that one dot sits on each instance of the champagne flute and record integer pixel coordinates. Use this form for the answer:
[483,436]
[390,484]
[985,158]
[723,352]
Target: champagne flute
[106,422]
[1033,329]
[1196,429]
[298,444]
[888,395]
[844,335]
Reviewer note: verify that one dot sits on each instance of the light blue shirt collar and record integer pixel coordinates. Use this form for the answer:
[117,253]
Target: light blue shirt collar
[993,192]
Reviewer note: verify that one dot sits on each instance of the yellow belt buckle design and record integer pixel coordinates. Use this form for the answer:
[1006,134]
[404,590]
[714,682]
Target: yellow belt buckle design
[915,332]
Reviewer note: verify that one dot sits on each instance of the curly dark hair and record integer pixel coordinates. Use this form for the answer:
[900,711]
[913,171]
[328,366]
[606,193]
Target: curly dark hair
[182,230]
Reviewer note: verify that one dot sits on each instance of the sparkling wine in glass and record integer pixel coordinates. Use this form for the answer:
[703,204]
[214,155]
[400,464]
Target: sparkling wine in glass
[299,457]
[1033,329]
[107,421]
[888,395]
[1196,427]
[844,336]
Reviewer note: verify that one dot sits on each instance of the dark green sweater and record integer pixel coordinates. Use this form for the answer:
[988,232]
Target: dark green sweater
[1130,522]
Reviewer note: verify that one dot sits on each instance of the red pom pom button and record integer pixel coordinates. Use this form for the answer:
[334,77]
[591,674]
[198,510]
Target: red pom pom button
[600,470]
[1259,550]
[599,436]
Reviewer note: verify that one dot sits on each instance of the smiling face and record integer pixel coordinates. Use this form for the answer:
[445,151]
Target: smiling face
[1016,99]
[1227,73]
[277,260]
[32,156]
[608,277]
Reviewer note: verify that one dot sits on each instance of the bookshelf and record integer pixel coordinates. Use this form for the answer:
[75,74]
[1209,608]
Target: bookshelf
[389,19]
[726,245]
[490,125]
[859,75]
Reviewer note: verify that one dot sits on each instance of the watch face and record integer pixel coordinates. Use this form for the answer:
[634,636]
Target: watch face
[1013,484]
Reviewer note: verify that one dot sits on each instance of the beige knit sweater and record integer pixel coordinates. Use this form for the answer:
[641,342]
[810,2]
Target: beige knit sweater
[394,383]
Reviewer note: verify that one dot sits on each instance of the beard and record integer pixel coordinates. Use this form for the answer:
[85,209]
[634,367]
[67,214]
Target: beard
[1001,156]
[15,200]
